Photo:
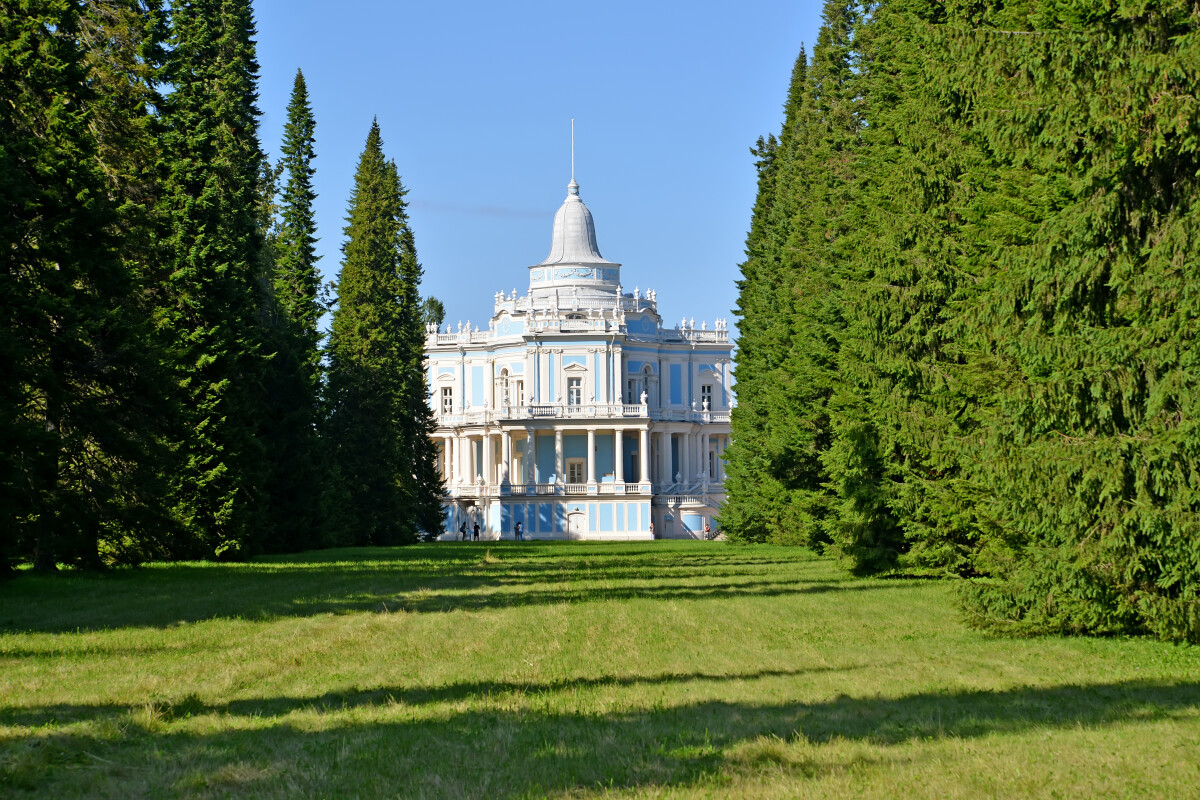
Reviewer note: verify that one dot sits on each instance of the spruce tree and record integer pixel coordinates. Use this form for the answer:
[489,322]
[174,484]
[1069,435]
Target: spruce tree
[912,259]
[213,295]
[756,490]
[296,278]
[775,479]
[75,446]
[292,312]
[1091,453]
[384,481]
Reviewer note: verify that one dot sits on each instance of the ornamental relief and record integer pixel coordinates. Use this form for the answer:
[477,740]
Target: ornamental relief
[577,272]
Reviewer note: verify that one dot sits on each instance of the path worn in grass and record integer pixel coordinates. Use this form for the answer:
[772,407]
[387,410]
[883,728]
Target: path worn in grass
[528,670]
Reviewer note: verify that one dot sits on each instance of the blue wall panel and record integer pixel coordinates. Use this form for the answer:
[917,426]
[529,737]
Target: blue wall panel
[545,458]
[476,386]
[606,517]
[574,446]
[545,517]
[631,458]
[603,455]
[676,384]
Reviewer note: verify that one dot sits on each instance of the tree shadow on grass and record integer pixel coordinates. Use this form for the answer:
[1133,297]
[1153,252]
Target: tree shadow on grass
[168,609]
[507,750]
[190,704]
[381,580]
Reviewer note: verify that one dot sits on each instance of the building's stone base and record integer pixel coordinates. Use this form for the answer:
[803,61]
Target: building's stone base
[551,517]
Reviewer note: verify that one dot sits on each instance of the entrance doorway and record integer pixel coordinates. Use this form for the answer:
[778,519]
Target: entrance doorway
[576,524]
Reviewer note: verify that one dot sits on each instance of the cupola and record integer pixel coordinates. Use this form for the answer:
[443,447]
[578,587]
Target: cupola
[574,258]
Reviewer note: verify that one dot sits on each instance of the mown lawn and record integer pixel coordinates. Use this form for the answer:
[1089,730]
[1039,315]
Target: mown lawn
[661,669]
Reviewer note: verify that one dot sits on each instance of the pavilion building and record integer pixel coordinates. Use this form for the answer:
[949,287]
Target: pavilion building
[577,413]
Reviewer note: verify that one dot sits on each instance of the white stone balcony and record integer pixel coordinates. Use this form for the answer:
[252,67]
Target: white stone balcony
[567,411]
[609,489]
[583,411]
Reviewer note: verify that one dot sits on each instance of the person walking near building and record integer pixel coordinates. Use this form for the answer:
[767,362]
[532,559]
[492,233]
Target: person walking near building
[475,532]
[462,531]
[517,531]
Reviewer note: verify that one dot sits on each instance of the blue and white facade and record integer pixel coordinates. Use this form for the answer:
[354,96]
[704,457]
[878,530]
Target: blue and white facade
[577,413]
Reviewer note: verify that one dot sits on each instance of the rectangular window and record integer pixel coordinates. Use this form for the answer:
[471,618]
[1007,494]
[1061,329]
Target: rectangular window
[575,470]
[631,396]
[706,397]
[447,400]
[574,391]
[518,393]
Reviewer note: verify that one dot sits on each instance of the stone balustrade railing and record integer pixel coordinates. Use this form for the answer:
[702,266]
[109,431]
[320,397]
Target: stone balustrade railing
[669,494]
[585,411]
[518,489]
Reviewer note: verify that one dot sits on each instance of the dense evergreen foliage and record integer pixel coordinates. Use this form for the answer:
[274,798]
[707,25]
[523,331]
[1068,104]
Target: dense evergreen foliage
[77,441]
[379,420]
[293,312]
[213,261]
[160,367]
[987,237]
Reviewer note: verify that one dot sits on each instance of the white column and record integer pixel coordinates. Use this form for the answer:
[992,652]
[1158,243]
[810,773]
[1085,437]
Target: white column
[644,455]
[664,457]
[505,454]
[528,466]
[591,456]
[488,478]
[685,457]
[455,455]
[558,456]
[618,456]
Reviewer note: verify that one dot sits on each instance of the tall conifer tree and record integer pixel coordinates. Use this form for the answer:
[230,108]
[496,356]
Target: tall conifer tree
[297,280]
[1092,451]
[378,414]
[74,354]
[759,486]
[293,311]
[213,302]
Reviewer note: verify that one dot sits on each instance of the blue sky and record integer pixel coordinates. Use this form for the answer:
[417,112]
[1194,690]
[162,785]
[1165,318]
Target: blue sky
[475,99]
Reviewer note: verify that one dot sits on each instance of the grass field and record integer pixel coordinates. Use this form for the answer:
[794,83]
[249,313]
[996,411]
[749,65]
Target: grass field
[690,669]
